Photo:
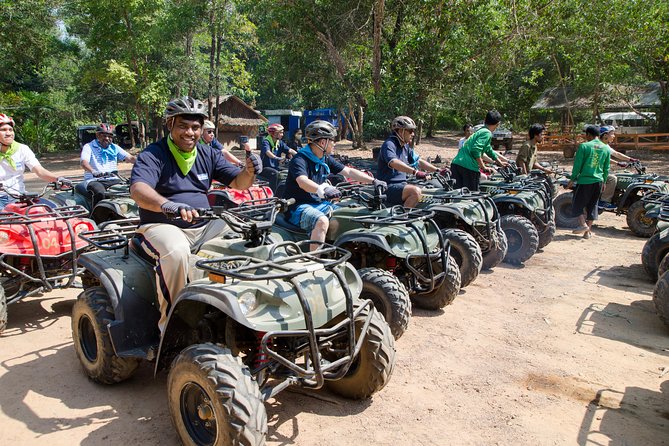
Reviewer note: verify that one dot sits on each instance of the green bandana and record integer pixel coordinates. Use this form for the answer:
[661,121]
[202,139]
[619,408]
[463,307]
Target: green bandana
[185,160]
[13,147]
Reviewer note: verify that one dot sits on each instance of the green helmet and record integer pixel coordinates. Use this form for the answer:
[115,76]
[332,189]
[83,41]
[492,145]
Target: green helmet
[319,130]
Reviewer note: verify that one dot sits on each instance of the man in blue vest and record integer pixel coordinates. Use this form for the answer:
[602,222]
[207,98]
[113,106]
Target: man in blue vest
[100,157]
[171,178]
[272,150]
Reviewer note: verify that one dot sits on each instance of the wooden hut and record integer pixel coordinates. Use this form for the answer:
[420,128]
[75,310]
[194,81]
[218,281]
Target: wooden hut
[236,118]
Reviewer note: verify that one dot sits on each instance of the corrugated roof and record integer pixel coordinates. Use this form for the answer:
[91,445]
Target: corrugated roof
[621,97]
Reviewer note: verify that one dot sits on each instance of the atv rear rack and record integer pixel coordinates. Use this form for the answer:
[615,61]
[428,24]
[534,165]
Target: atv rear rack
[64,213]
[112,235]
[324,257]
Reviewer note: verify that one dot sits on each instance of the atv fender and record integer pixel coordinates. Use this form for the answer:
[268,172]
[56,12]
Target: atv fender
[130,282]
[456,211]
[372,239]
[636,189]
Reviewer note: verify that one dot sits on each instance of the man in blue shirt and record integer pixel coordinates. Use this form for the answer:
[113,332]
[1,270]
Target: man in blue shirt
[306,182]
[171,178]
[99,157]
[272,149]
[397,159]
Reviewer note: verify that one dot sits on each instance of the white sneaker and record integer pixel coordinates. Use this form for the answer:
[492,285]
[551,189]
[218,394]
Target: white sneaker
[580,230]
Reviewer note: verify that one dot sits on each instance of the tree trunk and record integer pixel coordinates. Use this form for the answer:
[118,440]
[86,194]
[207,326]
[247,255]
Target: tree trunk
[379,12]
[663,115]
[419,132]
[128,119]
[219,43]
[570,116]
[212,57]
[430,126]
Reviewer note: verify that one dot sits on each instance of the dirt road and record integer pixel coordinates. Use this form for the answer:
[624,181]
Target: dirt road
[565,350]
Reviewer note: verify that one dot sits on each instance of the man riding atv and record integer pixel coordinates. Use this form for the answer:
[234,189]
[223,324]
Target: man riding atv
[100,157]
[397,158]
[607,135]
[306,182]
[170,180]
[14,158]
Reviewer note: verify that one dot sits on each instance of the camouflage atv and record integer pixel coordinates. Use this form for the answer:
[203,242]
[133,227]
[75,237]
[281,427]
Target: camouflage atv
[405,242]
[526,207]
[655,259]
[654,254]
[116,205]
[630,189]
[469,221]
[256,320]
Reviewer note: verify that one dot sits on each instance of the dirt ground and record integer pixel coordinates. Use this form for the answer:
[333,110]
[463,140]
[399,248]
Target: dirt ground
[564,350]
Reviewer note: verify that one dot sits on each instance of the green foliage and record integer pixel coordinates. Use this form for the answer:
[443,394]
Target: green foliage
[443,63]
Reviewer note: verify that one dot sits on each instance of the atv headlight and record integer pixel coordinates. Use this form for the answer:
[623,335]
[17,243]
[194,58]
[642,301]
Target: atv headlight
[4,237]
[247,302]
[123,208]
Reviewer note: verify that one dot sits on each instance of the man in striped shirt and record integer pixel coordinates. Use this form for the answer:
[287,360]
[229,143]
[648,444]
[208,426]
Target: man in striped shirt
[98,158]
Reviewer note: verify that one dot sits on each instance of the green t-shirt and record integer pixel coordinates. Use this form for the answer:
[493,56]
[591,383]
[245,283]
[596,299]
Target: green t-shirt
[591,162]
[527,155]
[475,146]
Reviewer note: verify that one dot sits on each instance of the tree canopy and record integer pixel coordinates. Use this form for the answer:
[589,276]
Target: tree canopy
[442,62]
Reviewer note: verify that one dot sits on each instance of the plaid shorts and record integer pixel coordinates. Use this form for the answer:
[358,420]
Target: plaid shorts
[306,215]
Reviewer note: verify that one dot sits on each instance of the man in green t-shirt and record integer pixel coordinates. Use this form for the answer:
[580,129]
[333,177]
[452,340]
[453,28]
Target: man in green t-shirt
[468,164]
[527,155]
[591,167]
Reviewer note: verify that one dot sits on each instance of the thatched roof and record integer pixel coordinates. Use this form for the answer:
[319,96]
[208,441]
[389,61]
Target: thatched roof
[235,112]
[613,97]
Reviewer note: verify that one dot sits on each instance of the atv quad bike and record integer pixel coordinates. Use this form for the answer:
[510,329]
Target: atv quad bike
[643,214]
[469,221]
[405,242]
[260,319]
[38,247]
[631,187]
[116,205]
[527,213]
[656,248]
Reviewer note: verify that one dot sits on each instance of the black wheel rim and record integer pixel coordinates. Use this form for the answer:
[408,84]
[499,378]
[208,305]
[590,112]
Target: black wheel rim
[514,241]
[379,303]
[88,339]
[197,413]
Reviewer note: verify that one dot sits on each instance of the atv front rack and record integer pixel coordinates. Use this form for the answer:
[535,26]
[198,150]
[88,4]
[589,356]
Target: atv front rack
[283,267]
[40,213]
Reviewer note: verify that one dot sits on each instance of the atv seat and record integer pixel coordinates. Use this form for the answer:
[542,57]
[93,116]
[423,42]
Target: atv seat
[282,221]
[136,246]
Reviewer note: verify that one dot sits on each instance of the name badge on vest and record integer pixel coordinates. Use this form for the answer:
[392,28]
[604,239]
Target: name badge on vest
[202,177]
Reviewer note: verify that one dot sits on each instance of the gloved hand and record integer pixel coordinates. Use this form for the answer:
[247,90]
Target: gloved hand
[380,184]
[331,193]
[445,172]
[253,163]
[420,174]
[62,181]
[174,210]
[97,174]
[326,191]
[633,160]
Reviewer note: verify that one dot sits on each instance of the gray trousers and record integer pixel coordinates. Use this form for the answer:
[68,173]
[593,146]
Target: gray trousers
[609,188]
[172,248]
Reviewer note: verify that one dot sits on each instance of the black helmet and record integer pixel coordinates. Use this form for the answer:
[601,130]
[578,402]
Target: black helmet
[185,106]
[403,122]
[104,128]
[320,129]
